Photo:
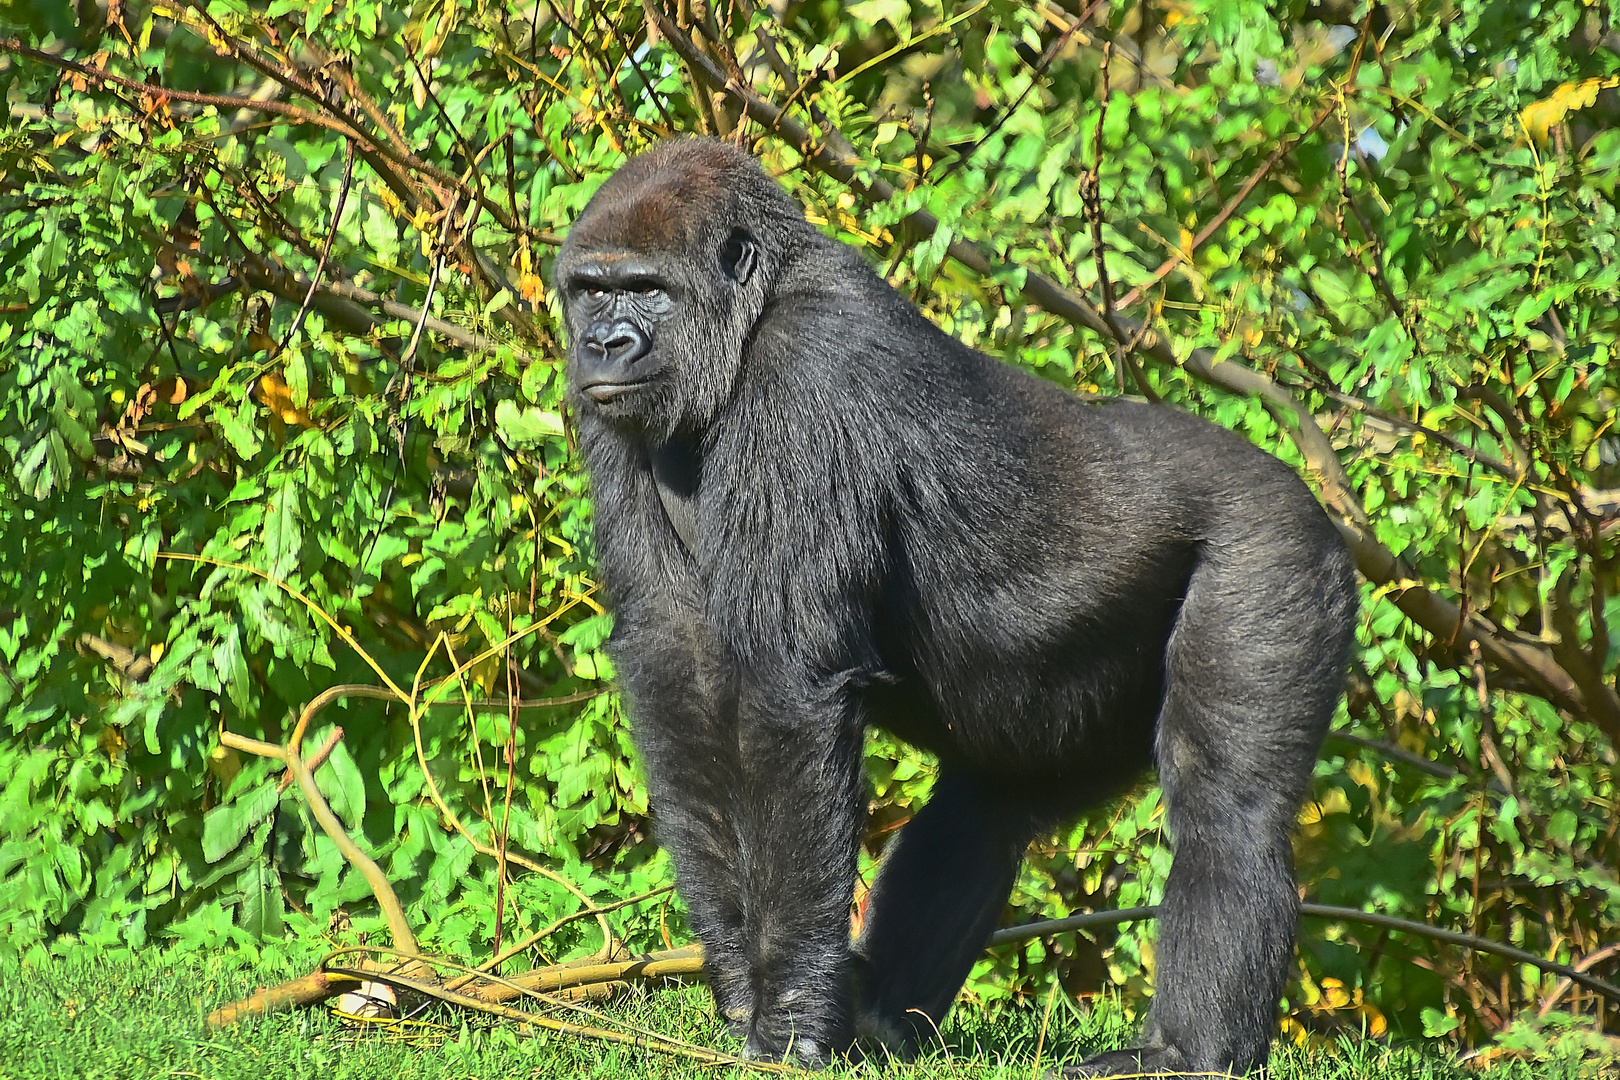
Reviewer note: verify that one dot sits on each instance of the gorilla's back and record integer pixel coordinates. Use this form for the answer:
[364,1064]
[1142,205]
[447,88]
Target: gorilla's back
[1073,530]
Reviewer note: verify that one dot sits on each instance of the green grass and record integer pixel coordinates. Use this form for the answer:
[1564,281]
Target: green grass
[126,1019]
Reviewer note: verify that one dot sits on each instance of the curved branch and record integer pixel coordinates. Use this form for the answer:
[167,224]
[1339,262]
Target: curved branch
[291,755]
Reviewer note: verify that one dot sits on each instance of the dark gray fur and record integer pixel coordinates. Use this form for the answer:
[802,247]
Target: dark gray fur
[815,512]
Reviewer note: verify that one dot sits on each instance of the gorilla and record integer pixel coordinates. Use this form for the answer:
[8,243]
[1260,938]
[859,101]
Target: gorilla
[816,512]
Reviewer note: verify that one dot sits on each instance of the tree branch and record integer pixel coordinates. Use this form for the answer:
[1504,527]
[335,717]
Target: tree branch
[291,755]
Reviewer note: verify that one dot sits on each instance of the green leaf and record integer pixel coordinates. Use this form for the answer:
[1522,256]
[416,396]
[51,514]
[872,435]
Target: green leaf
[340,781]
[262,911]
[526,427]
[1437,1023]
[225,825]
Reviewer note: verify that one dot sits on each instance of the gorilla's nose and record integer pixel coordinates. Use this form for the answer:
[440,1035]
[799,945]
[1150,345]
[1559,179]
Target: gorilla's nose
[611,348]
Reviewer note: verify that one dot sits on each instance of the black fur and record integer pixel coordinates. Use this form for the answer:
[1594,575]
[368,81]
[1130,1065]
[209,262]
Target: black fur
[815,512]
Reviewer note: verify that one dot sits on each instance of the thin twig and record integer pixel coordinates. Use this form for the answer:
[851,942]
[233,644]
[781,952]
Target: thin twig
[326,249]
[1585,963]
[1047,927]
[1006,114]
[594,911]
[649,1041]
[455,822]
[1400,753]
[316,760]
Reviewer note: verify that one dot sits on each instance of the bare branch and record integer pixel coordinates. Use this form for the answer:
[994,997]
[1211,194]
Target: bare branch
[291,755]
[1091,920]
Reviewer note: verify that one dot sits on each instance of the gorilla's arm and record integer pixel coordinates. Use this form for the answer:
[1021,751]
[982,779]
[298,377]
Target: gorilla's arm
[744,649]
[758,799]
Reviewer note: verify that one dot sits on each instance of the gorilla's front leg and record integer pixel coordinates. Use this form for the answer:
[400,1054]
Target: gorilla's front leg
[798,812]
[707,862]
[693,775]
[763,821]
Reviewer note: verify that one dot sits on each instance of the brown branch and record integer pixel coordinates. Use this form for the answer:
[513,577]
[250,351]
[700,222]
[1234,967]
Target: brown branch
[1399,753]
[1442,618]
[683,963]
[1396,420]
[346,304]
[1585,963]
[1041,65]
[596,911]
[315,760]
[1432,612]
[161,94]
[127,662]
[291,755]
[1373,266]
[326,249]
[344,74]
[310,990]
[288,74]
[1254,179]
[343,126]
[1231,206]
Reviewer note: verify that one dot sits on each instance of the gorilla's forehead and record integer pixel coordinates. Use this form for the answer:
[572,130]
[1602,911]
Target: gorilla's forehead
[661,215]
[663,199]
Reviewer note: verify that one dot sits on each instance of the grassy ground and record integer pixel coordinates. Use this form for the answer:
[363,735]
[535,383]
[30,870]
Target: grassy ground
[90,1019]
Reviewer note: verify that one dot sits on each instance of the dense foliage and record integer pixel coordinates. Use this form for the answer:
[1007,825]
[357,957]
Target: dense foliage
[280,411]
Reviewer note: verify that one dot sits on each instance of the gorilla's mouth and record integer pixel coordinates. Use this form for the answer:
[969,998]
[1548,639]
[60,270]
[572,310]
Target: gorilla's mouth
[605,392]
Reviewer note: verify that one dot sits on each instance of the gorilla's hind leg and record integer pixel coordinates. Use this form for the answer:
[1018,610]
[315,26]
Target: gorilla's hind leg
[938,894]
[1252,678]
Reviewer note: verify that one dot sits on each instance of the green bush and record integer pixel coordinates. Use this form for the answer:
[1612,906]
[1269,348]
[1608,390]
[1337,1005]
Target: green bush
[1380,242]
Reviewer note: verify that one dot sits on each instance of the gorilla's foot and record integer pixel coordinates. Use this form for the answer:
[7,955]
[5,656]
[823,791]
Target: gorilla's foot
[1146,1061]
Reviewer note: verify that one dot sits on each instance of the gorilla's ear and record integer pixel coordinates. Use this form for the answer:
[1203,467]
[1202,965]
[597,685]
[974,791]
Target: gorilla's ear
[739,255]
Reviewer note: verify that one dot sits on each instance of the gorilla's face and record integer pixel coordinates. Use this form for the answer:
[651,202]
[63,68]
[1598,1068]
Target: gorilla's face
[623,312]
[657,335]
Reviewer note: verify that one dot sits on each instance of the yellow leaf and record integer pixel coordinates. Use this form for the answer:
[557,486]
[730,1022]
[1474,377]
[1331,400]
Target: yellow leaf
[486,672]
[1539,117]
[531,288]
[277,397]
[224,763]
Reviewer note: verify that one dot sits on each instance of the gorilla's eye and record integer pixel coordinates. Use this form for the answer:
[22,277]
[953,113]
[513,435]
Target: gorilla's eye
[596,294]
